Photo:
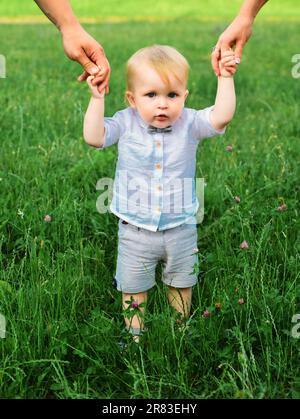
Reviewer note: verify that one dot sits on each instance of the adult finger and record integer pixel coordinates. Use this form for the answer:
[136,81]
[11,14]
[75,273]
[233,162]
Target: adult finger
[104,75]
[102,62]
[225,47]
[102,86]
[97,80]
[215,57]
[102,80]
[83,76]
[101,75]
[239,51]
[89,66]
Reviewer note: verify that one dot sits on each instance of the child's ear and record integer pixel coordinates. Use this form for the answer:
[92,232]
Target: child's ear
[130,98]
[186,94]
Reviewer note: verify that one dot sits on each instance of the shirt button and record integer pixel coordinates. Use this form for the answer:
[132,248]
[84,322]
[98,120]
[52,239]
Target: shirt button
[159,188]
[157,209]
[158,165]
[158,144]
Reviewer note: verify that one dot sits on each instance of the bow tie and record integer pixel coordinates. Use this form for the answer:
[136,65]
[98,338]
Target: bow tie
[154,130]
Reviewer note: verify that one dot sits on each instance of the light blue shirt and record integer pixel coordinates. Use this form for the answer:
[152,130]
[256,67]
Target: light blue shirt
[154,185]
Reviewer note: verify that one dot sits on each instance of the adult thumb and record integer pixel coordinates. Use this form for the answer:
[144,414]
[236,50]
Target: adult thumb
[91,68]
[239,51]
[87,64]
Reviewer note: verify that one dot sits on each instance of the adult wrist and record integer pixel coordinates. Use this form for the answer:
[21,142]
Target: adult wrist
[70,25]
[247,17]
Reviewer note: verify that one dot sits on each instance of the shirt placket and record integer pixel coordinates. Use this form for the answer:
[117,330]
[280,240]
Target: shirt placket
[158,173]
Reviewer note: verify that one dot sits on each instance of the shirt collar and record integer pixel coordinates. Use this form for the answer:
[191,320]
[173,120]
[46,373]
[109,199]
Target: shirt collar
[144,125]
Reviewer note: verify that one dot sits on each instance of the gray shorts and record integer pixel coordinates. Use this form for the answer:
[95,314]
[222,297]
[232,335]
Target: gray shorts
[139,251]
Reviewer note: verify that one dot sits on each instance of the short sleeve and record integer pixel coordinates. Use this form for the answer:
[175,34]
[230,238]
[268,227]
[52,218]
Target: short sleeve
[202,127]
[114,128]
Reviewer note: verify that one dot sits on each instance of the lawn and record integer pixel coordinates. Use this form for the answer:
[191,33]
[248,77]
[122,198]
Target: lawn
[163,9]
[63,315]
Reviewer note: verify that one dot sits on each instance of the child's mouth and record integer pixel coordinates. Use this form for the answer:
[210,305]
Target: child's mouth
[161,117]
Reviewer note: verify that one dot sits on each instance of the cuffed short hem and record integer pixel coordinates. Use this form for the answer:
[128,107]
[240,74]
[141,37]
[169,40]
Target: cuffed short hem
[133,290]
[181,284]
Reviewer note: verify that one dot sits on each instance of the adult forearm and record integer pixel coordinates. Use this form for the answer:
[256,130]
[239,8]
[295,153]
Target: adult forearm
[93,127]
[225,102]
[59,12]
[250,8]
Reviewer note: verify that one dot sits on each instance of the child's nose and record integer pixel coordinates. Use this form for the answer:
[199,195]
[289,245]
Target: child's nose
[163,103]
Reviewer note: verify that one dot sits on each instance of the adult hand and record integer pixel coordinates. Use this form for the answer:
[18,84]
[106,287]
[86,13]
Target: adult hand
[81,47]
[235,36]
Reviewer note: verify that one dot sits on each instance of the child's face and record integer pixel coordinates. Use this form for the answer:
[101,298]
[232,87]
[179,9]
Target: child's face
[158,104]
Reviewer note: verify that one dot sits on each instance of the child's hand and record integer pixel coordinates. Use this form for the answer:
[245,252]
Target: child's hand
[94,89]
[227,64]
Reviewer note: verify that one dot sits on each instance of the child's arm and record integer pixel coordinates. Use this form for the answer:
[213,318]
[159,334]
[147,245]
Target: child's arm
[224,107]
[93,126]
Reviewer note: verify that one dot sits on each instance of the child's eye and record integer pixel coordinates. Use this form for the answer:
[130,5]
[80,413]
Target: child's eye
[151,94]
[172,95]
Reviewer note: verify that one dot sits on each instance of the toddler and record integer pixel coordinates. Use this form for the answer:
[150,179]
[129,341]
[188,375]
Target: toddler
[154,187]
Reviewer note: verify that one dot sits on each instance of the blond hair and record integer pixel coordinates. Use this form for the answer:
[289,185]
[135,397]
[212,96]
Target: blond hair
[163,59]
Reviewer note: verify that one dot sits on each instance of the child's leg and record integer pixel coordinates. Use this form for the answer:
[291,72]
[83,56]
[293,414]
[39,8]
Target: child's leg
[180,299]
[136,322]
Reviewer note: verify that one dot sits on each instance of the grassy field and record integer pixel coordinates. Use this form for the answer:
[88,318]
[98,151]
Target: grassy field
[63,315]
[162,9]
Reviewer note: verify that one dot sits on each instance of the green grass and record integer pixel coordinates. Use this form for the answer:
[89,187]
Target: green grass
[164,8]
[63,316]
